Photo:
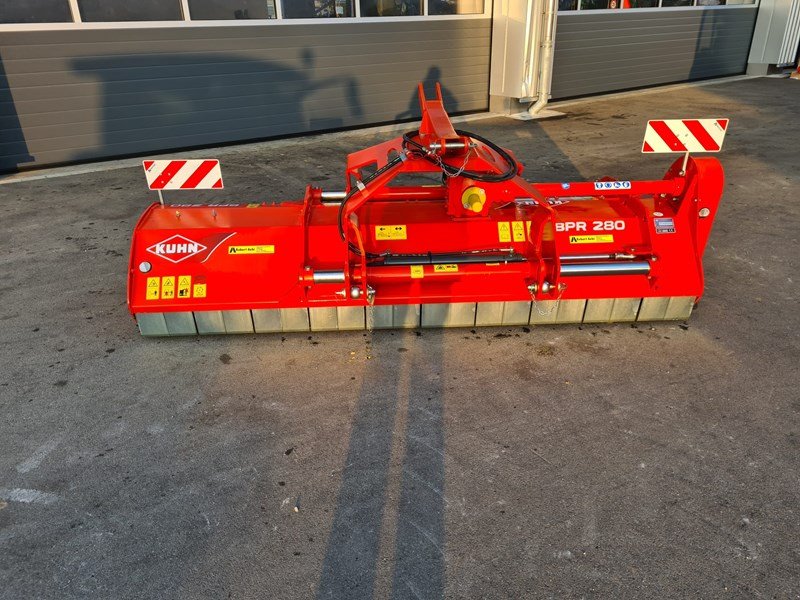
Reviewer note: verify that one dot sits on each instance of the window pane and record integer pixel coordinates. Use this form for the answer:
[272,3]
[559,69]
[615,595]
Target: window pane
[35,11]
[455,7]
[598,4]
[311,9]
[567,4]
[640,4]
[390,8]
[125,10]
[710,2]
[211,10]
[676,2]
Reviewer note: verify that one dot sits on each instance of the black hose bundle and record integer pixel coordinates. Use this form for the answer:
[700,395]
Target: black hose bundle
[447,169]
[452,171]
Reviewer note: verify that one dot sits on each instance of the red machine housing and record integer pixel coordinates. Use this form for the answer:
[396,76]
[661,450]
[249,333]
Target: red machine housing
[464,241]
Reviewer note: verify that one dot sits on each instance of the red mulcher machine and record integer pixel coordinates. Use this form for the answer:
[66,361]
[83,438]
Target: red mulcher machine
[483,247]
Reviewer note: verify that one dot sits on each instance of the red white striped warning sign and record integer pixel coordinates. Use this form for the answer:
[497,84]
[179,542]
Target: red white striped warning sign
[684,135]
[183,174]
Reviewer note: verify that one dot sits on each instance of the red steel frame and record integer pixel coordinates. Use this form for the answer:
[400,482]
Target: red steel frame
[513,247]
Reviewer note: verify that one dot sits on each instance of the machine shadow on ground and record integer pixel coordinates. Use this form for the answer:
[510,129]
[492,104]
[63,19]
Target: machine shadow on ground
[399,407]
[399,418]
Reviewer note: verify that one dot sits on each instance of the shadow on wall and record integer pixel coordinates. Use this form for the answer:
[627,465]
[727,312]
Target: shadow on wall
[165,101]
[13,148]
[433,77]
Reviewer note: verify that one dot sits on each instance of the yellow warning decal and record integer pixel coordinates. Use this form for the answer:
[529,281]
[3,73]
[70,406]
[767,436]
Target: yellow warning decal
[199,290]
[504,231]
[591,239]
[417,272]
[445,268]
[518,228]
[153,285]
[184,286]
[251,249]
[253,205]
[167,288]
[390,232]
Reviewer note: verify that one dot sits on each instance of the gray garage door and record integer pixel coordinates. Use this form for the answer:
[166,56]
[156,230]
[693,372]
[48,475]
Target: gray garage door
[82,94]
[602,51]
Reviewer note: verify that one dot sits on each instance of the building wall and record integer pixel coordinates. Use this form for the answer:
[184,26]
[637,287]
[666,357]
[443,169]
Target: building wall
[74,95]
[603,51]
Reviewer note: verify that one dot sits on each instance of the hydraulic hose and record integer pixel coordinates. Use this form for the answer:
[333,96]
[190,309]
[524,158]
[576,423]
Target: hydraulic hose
[452,171]
[448,170]
[390,165]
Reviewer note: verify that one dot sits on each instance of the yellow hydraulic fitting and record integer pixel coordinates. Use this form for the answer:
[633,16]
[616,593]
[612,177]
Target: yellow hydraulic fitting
[473,198]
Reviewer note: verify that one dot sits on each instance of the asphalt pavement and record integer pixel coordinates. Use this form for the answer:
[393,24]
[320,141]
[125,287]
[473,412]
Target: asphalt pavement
[596,461]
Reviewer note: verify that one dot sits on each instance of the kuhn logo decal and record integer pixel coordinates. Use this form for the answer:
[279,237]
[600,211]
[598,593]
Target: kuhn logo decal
[176,248]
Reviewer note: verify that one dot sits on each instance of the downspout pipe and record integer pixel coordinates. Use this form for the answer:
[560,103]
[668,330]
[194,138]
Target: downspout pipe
[545,58]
